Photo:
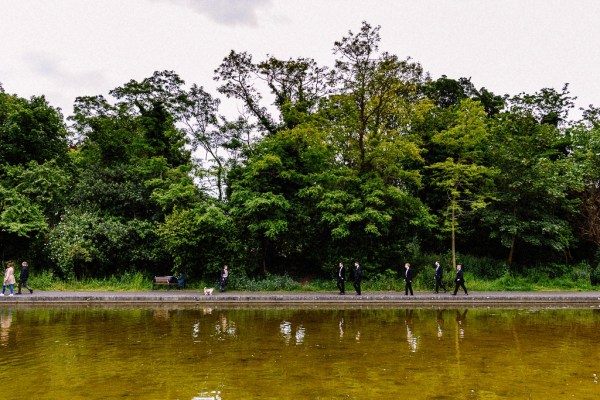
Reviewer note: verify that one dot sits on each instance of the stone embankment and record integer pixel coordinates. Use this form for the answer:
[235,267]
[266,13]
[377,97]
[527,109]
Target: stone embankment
[588,299]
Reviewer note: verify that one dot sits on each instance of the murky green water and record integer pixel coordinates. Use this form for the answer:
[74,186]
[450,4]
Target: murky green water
[298,353]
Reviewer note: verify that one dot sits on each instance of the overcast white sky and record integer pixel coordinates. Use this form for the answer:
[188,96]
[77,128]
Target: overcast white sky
[68,48]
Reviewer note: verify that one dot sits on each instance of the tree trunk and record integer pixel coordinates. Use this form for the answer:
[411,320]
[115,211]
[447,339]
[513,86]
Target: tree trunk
[512,249]
[453,238]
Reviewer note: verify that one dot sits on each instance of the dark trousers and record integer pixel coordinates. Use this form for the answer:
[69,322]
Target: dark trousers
[357,287]
[439,284]
[24,284]
[341,286]
[222,284]
[460,284]
[408,287]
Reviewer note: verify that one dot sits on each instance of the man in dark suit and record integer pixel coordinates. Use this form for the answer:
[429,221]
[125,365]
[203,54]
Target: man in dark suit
[460,281]
[341,278]
[408,275]
[439,274]
[357,277]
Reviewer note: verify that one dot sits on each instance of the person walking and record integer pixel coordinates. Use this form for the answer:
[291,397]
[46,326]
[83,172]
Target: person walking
[439,274]
[341,277]
[223,278]
[460,280]
[9,279]
[23,277]
[357,277]
[408,276]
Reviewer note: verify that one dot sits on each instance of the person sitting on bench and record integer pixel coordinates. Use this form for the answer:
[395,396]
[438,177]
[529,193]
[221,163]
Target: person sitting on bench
[181,281]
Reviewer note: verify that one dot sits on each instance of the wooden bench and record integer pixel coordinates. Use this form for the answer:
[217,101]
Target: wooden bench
[165,280]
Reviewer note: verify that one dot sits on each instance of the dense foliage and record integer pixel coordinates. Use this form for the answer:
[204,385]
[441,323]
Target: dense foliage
[369,159]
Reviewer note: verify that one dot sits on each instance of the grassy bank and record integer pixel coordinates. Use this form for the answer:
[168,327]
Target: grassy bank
[388,281]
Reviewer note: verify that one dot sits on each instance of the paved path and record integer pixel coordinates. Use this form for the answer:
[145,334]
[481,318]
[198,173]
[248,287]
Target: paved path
[591,299]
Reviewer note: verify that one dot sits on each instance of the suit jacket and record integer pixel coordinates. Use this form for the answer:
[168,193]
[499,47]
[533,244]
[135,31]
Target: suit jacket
[357,274]
[408,274]
[439,272]
[342,274]
[459,276]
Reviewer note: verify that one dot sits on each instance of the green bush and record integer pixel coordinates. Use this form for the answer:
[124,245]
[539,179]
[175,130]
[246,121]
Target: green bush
[43,280]
[388,280]
[595,276]
[581,272]
[241,281]
[483,267]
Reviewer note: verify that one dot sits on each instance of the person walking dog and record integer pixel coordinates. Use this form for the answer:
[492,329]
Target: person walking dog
[223,278]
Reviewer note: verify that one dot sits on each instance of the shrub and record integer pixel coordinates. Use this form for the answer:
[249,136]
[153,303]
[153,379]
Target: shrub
[483,267]
[388,280]
[240,281]
[595,276]
[43,280]
[581,272]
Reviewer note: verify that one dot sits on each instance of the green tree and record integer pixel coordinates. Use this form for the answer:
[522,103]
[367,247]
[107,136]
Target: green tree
[536,179]
[269,199]
[30,130]
[131,169]
[586,151]
[33,171]
[296,85]
[464,175]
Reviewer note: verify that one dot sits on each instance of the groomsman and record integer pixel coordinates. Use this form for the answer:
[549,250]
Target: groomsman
[439,274]
[341,278]
[408,275]
[357,277]
[460,281]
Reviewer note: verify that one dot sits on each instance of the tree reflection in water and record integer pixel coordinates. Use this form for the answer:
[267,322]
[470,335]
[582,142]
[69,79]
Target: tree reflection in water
[300,352]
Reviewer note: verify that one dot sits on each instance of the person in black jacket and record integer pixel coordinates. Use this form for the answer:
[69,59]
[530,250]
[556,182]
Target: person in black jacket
[24,277]
[460,281]
[341,277]
[223,278]
[408,276]
[357,277]
[439,274]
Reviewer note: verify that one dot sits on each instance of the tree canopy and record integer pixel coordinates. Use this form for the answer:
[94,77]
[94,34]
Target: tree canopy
[368,159]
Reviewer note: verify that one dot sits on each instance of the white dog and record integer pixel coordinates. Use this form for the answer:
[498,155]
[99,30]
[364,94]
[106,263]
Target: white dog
[208,291]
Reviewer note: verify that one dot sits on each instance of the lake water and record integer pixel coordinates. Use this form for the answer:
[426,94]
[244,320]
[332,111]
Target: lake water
[313,352]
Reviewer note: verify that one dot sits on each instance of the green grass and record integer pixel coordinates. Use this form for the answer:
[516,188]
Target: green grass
[387,281]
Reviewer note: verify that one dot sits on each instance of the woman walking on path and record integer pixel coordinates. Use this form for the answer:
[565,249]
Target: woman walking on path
[9,279]
[460,281]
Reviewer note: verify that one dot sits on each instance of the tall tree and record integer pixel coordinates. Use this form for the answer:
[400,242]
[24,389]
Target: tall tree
[464,175]
[131,170]
[586,151]
[537,177]
[370,86]
[33,174]
[30,130]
